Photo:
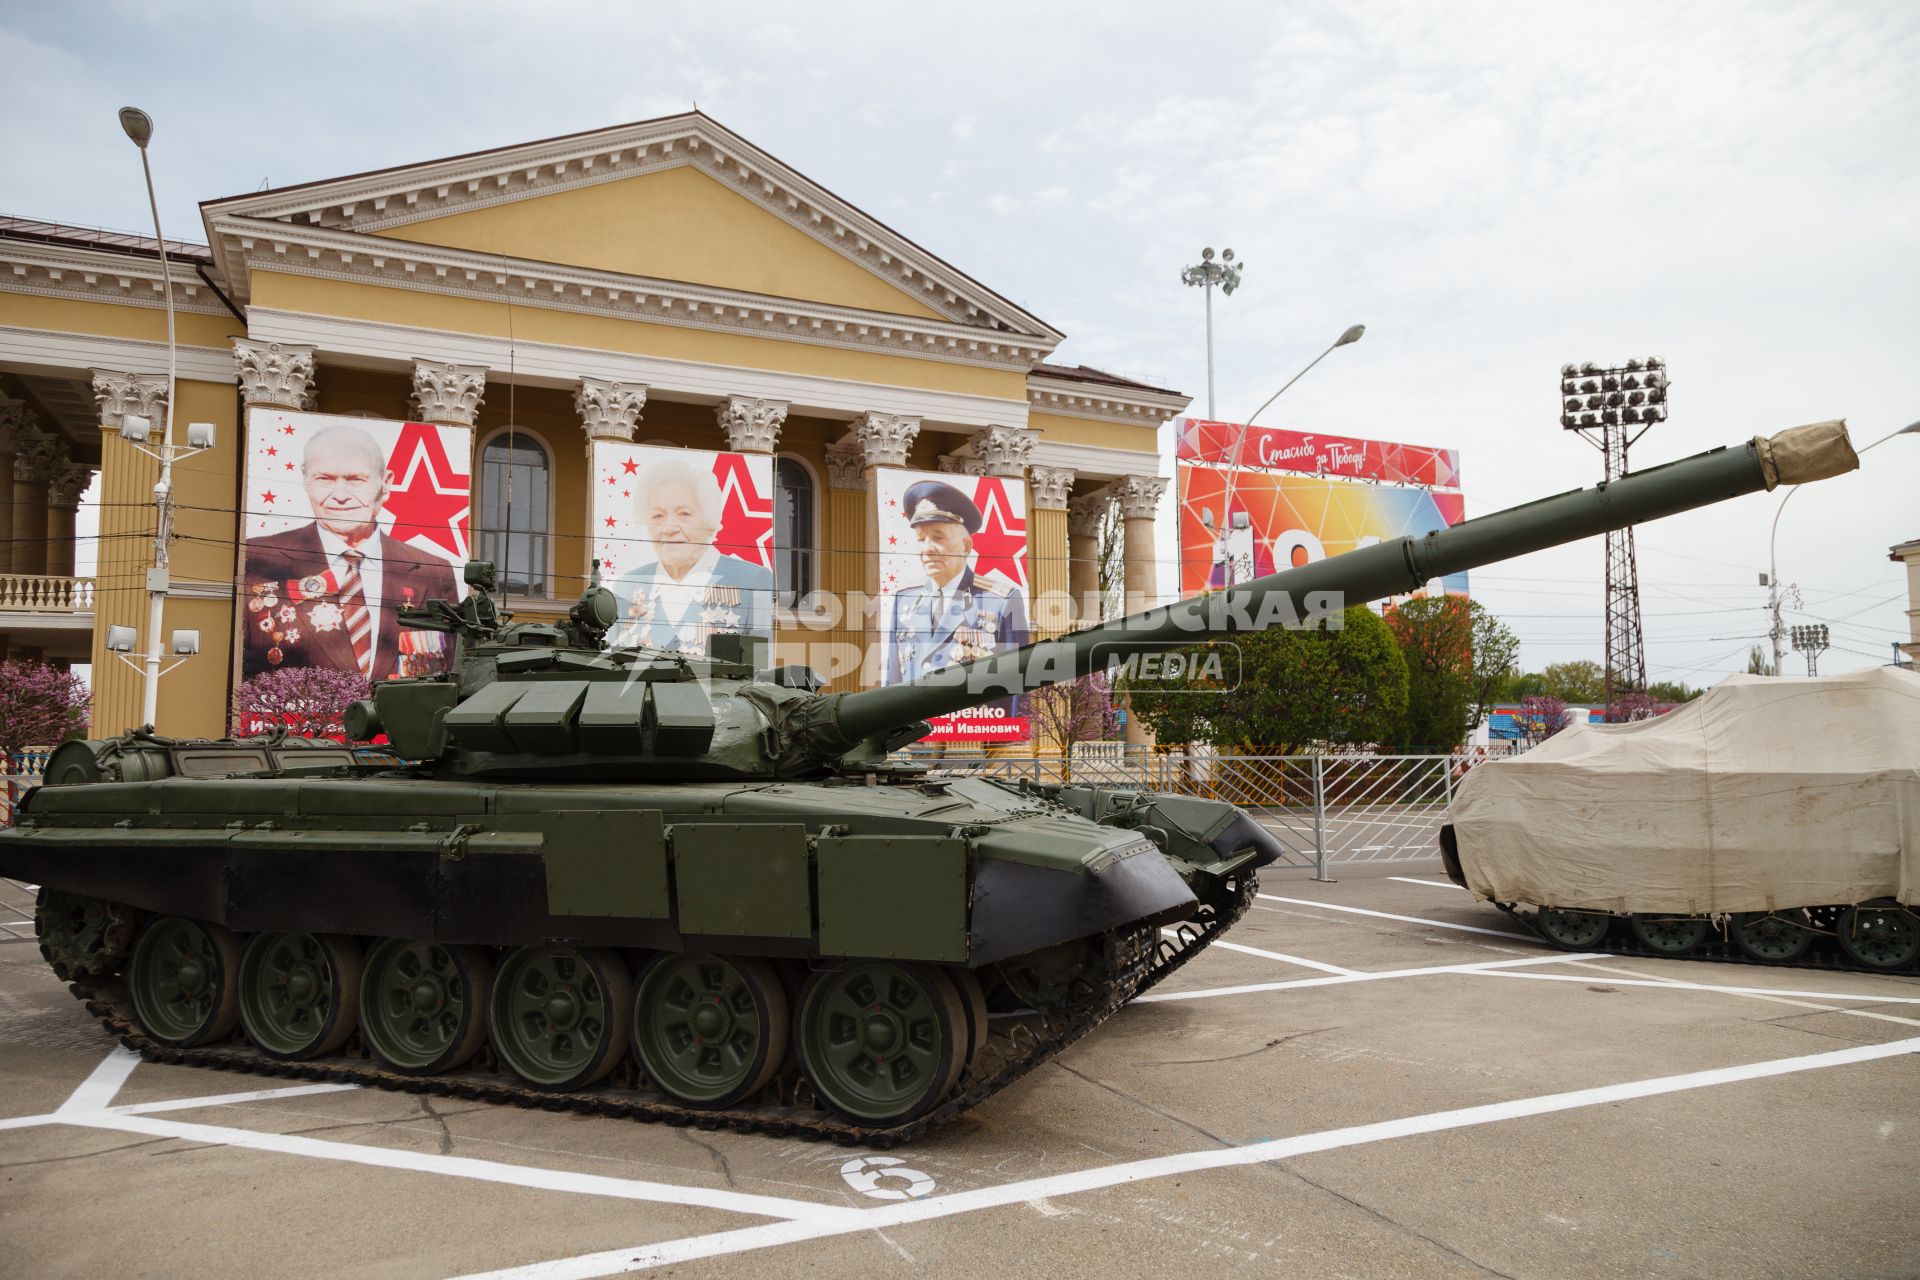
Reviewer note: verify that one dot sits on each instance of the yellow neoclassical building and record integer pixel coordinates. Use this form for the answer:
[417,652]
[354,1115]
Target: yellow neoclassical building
[665,281]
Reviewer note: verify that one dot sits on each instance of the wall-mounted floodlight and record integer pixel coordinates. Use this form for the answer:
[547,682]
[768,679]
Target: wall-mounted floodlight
[135,429]
[121,639]
[199,435]
[186,643]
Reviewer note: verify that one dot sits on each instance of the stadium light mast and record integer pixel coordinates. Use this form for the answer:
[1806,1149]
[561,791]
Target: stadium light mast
[1206,274]
[1812,641]
[1611,407]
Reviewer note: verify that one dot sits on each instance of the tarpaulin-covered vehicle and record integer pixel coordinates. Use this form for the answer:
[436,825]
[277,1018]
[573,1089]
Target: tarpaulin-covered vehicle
[1776,820]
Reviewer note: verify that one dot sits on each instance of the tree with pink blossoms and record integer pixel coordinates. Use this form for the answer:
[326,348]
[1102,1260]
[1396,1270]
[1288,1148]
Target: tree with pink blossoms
[308,702]
[1543,715]
[40,706]
[1075,711]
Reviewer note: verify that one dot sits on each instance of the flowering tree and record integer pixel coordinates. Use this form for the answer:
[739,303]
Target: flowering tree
[40,706]
[1636,706]
[1544,715]
[1075,711]
[308,702]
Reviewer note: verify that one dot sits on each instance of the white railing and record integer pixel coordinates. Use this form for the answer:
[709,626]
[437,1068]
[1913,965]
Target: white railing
[45,593]
[24,770]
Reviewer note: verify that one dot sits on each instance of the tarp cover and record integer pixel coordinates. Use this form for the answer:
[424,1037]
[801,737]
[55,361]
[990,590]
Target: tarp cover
[1760,794]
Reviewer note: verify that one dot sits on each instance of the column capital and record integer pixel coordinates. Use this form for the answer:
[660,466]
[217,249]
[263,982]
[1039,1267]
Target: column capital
[67,483]
[884,438]
[1086,511]
[13,423]
[846,466]
[119,394]
[275,375]
[609,410]
[752,425]
[1139,496]
[1006,451]
[960,464]
[1050,487]
[35,457]
[448,395]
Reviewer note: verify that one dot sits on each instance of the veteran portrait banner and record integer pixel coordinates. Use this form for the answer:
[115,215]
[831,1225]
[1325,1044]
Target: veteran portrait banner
[345,522]
[953,585]
[685,542]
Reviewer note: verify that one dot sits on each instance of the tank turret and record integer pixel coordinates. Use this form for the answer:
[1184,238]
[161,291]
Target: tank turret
[539,700]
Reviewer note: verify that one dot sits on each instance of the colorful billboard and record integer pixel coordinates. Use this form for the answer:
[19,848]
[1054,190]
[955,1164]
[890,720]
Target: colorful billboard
[1279,521]
[347,521]
[1279,449]
[685,541]
[953,585]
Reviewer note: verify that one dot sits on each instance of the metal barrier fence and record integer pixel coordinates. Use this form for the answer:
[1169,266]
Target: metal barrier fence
[1325,810]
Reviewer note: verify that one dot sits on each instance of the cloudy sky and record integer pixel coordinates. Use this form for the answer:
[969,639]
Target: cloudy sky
[1493,189]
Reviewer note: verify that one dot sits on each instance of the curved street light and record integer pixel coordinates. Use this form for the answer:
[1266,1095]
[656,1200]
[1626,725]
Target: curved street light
[1775,633]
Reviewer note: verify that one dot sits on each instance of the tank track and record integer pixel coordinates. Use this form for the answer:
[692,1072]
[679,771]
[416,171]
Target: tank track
[1135,960]
[1825,953]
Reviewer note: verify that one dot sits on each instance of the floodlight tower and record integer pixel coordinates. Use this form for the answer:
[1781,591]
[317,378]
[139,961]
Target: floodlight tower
[1812,641]
[1206,274]
[1611,407]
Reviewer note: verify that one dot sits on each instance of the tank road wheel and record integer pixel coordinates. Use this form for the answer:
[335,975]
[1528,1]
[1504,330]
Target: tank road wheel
[82,937]
[709,1030]
[882,1042]
[183,981]
[300,993]
[1669,935]
[1574,930]
[559,1017]
[1772,937]
[1880,935]
[423,1005]
[974,1000]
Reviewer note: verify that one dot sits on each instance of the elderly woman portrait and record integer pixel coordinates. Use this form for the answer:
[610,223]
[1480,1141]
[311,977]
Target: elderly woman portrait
[686,587]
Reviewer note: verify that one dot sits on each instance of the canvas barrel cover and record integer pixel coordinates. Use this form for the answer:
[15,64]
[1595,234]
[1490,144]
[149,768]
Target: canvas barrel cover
[1760,794]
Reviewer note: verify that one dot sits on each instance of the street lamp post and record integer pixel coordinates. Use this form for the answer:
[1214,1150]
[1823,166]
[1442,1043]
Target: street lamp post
[1777,632]
[1206,274]
[139,129]
[1351,335]
[1812,641]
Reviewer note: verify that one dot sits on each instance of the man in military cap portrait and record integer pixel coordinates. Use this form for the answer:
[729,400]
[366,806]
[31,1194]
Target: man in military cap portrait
[329,593]
[954,614]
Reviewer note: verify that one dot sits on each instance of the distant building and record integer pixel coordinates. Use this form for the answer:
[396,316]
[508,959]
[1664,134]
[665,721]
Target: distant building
[1909,552]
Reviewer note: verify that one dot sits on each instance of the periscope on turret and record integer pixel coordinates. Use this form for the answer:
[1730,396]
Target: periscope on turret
[687,887]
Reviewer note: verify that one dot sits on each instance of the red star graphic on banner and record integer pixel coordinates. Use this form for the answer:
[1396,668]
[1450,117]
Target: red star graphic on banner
[429,502]
[629,467]
[1001,545]
[746,521]
[611,480]
[286,430]
[626,493]
[272,452]
[609,522]
[268,497]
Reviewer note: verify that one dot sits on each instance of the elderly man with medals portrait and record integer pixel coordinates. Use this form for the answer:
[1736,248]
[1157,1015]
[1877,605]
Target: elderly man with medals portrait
[690,589]
[955,614]
[328,593]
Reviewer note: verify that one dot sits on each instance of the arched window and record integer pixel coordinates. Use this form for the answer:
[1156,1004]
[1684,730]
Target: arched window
[794,507]
[516,511]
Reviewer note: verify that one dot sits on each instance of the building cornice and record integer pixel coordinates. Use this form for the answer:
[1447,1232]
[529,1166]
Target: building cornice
[414,193]
[252,244]
[1102,403]
[91,275]
[374,344]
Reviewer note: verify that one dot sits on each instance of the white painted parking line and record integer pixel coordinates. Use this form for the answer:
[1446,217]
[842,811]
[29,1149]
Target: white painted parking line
[1302,961]
[1671,984]
[1388,915]
[462,1167]
[1437,884]
[229,1099]
[1814,1005]
[99,1088]
[624,1261]
[1297,983]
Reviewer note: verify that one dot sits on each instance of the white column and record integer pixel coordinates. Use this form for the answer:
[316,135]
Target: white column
[118,394]
[609,410]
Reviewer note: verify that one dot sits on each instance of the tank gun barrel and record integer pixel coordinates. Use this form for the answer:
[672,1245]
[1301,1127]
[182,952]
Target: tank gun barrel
[1397,567]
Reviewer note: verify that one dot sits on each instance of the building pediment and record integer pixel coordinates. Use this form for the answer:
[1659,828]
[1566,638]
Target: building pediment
[564,198]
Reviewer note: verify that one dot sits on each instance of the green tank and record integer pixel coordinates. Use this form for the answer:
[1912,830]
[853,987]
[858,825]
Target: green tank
[694,890]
